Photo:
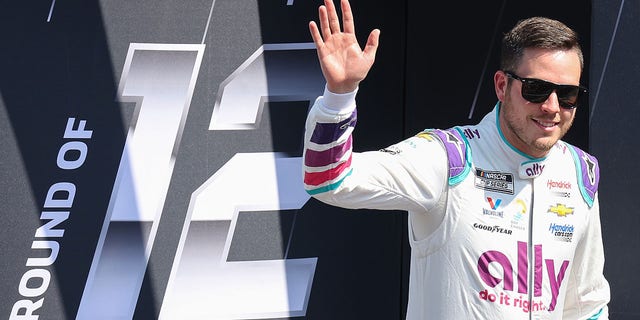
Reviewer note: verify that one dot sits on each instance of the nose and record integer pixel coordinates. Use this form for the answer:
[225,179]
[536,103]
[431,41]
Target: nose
[551,105]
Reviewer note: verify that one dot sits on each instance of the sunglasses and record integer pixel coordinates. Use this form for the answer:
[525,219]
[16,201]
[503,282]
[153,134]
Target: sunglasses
[538,91]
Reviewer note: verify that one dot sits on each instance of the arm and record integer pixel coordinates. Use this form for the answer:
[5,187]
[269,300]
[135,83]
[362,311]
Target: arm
[588,291]
[412,179]
[410,175]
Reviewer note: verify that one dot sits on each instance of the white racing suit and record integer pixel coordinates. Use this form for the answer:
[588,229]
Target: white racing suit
[494,233]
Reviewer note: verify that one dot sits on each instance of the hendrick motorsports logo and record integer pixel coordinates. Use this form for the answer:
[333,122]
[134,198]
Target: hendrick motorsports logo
[559,188]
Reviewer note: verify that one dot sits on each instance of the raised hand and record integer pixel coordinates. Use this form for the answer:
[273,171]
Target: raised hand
[344,64]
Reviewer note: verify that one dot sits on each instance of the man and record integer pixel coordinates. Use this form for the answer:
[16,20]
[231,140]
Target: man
[503,215]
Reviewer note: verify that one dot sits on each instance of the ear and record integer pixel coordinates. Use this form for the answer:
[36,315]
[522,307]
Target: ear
[500,80]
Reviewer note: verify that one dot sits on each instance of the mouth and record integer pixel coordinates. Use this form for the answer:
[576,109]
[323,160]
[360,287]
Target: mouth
[546,124]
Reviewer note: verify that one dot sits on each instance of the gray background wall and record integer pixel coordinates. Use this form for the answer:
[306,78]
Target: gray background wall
[68,59]
[613,126]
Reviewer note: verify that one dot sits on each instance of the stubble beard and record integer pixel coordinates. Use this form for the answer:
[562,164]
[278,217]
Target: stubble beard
[542,145]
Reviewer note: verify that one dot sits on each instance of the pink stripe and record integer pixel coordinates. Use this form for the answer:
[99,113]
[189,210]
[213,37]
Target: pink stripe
[317,178]
[323,158]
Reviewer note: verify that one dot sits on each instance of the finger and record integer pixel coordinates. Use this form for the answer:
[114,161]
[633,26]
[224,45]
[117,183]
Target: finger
[315,34]
[324,22]
[334,22]
[372,44]
[347,17]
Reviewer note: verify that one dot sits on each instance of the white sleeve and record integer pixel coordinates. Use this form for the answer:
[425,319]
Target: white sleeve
[588,291]
[410,175]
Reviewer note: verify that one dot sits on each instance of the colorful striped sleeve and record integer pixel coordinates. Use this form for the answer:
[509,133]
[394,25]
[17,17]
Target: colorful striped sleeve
[388,179]
[328,153]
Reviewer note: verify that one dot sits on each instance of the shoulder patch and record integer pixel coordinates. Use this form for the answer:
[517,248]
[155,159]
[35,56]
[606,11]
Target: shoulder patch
[458,153]
[588,173]
[427,135]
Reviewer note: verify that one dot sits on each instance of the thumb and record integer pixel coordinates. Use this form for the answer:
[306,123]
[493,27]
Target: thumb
[372,44]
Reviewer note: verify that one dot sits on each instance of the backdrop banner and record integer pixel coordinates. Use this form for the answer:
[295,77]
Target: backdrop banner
[151,152]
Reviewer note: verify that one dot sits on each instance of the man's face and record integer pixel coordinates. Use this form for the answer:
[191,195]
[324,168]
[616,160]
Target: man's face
[534,128]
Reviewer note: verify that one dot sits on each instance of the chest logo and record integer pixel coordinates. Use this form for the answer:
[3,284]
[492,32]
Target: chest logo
[562,233]
[494,181]
[519,218]
[561,210]
[559,188]
[494,204]
[531,170]
[518,274]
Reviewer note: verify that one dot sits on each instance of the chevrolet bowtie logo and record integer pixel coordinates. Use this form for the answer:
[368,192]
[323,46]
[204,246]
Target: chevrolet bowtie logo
[561,210]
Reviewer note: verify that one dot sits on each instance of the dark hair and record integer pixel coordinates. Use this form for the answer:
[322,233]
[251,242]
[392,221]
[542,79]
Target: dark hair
[537,32]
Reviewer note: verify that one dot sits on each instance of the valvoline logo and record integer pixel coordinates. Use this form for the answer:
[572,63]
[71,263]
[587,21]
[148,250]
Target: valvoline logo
[494,203]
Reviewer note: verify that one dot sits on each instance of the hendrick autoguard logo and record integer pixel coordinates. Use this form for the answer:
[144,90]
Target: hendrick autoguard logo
[160,79]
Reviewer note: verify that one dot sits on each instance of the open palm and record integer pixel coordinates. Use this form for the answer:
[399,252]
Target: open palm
[344,64]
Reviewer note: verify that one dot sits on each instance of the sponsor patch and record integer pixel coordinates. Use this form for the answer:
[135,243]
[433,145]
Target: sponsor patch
[393,150]
[561,210]
[494,181]
[559,188]
[531,170]
[494,204]
[426,135]
[493,229]
[562,232]
[519,218]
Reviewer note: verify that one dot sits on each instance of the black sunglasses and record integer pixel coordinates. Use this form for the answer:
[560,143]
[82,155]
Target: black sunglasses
[537,91]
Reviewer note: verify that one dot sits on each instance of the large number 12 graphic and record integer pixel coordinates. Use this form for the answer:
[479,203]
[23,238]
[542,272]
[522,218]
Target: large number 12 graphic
[160,79]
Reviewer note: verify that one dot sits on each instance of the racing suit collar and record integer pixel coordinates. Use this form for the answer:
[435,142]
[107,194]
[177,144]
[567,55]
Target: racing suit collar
[528,166]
